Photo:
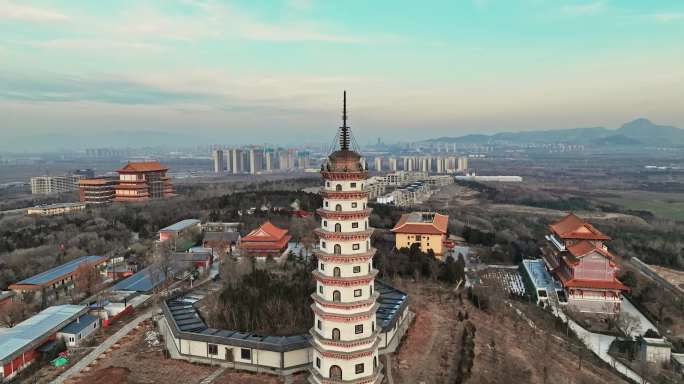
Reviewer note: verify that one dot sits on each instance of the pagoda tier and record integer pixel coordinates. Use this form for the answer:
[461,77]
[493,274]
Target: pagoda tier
[345,339]
[335,176]
[340,215]
[339,195]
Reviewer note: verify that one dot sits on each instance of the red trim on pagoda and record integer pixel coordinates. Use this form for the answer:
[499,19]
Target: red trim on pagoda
[342,318]
[344,343]
[343,236]
[344,195]
[345,281]
[339,305]
[343,215]
[343,259]
[357,175]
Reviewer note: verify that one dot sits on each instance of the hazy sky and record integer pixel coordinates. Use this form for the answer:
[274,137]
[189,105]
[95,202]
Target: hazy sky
[274,71]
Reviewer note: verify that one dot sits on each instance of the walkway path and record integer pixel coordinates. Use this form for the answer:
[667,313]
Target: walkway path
[388,369]
[89,358]
[210,379]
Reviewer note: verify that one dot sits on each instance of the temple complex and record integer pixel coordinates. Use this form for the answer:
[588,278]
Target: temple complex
[267,240]
[141,181]
[345,338]
[576,255]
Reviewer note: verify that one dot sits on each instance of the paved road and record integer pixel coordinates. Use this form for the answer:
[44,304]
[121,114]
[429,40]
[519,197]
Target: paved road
[89,358]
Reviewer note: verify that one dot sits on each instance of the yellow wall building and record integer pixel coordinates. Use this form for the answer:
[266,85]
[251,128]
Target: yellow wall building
[428,229]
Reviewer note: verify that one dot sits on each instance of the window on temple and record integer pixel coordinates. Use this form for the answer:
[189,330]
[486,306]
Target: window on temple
[336,272]
[319,324]
[212,349]
[335,334]
[358,368]
[358,328]
[322,267]
[357,293]
[246,354]
[338,208]
[338,227]
[354,205]
[318,362]
[357,269]
[337,296]
[355,225]
[338,187]
[338,249]
[353,185]
[356,247]
[325,223]
[320,288]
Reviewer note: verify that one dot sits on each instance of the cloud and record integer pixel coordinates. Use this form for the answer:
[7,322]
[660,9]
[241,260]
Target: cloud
[667,17]
[10,10]
[583,9]
[94,44]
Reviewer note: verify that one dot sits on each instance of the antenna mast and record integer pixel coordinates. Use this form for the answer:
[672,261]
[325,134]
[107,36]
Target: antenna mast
[344,130]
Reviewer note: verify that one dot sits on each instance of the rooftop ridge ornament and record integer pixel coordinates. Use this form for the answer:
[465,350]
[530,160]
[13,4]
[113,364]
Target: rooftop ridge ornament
[344,130]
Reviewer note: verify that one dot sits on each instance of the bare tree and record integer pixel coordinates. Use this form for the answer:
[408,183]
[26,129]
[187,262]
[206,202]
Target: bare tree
[13,313]
[628,323]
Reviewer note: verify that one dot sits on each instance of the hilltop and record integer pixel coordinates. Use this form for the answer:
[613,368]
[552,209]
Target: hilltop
[639,132]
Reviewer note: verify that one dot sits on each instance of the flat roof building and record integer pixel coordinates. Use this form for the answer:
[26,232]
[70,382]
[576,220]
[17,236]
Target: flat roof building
[56,209]
[18,345]
[49,282]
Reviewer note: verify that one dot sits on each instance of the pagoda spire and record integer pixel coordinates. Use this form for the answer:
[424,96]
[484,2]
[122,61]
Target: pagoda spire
[344,130]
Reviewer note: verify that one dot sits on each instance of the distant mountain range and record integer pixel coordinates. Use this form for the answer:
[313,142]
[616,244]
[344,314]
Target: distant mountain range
[639,132]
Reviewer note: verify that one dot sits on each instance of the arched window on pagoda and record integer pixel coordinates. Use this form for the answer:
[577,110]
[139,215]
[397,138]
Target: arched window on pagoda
[338,227]
[338,208]
[337,249]
[336,372]
[336,272]
[337,296]
[338,187]
[336,334]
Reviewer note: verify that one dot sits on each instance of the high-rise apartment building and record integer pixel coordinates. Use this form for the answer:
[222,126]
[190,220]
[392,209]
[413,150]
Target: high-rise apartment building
[218,161]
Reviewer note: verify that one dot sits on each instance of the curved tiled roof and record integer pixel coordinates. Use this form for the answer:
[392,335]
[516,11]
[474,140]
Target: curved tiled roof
[572,227]
[415,222]
[142,166]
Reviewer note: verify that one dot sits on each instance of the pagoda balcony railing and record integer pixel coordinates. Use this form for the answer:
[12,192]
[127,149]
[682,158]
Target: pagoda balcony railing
[317,378]
[345,317]
[343,215]
[345,281]
[370,340]
[344,195]
[350,175]
[342,236]
[346,258]
[345,305]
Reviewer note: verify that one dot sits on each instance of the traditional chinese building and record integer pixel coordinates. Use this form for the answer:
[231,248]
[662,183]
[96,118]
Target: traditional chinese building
[267,240]
[141,181]
[344,335]
[575,253]
[427,229]
[97,191]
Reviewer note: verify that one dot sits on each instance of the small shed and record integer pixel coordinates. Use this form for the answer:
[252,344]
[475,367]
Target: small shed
[79,329]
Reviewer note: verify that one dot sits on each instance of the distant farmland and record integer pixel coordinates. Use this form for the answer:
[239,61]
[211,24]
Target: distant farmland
[665,205]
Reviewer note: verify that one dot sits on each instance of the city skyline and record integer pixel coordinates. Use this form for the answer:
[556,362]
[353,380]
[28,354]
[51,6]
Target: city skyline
[196,72]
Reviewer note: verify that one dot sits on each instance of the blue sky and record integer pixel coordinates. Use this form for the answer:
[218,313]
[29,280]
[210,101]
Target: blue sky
[273,71]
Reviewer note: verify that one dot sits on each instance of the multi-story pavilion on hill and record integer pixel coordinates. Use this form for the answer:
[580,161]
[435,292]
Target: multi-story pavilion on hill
[267,240]
[576,254]
[345,338]
[141,181]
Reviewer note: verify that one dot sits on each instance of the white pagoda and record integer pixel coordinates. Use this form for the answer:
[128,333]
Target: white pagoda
[344,335]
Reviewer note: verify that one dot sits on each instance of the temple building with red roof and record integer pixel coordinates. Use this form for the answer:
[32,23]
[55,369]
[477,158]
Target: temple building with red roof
[142,181]
[267,240]
[427,229]
[576,255]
